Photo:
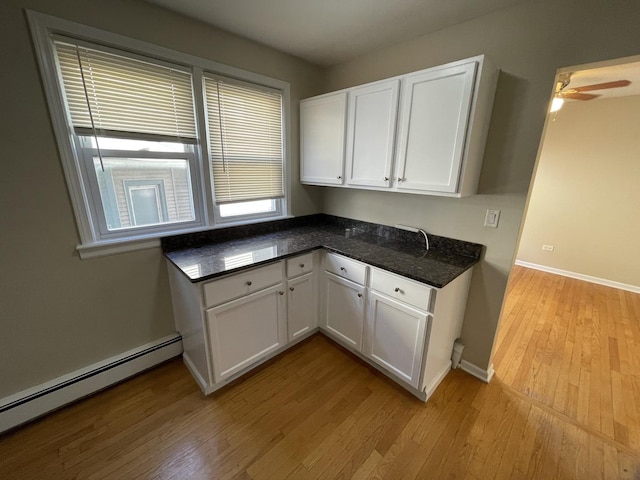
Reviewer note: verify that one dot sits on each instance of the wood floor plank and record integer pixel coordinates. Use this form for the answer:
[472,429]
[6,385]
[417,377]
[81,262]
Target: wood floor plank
[513,441]
[366,469]
[564,404]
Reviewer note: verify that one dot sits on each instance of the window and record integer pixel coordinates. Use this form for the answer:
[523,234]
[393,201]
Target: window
[120,166]
[134,124]
[156,142]
[245,145]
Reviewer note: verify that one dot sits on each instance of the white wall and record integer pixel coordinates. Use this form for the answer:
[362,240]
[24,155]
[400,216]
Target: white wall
[528,42]
[59,313]
[585,199]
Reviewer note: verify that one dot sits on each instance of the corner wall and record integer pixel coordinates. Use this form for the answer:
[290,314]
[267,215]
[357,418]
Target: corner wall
[58,313]
[528,43]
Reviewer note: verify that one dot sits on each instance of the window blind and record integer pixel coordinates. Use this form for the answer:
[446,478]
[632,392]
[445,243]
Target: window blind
[124,95]
[245,140]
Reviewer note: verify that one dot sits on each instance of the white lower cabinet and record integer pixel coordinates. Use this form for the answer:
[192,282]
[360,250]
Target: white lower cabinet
[302,309]
[344,310]
[395,337]
[244,331]
[404,328]
[233,323]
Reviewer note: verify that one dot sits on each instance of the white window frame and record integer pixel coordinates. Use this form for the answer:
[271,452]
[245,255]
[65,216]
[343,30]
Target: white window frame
[92,241]
[280,206]
[95,202]
[280,203]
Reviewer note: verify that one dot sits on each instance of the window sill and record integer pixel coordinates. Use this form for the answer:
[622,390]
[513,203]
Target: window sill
[249,222]
[114,247]
[103,249]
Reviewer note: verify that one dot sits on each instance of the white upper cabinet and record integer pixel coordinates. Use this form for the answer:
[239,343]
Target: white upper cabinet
[322,139]
[371,129]
[432,124]
[435,117]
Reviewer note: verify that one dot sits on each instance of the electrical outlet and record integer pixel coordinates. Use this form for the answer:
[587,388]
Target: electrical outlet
[547,248]
[491,218]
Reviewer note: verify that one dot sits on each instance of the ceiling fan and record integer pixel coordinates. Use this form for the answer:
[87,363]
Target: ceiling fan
[577,93]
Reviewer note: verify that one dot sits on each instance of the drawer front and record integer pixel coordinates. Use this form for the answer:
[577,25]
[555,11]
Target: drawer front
[346,268]
[402,289]
[240,284]
[299,265]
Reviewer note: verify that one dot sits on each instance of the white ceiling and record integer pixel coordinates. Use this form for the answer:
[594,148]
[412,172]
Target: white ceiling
[328,32]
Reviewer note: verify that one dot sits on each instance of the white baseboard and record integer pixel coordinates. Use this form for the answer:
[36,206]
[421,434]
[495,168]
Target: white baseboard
[580,276]
[484,375]
[34,402]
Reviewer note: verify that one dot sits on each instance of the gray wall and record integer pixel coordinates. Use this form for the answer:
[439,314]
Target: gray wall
[59,313]
[528,43]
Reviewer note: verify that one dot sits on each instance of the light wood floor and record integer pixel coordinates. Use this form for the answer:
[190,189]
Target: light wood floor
[565,404]
[574,347]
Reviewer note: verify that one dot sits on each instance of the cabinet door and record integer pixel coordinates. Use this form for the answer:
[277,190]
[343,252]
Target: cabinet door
[322,135]
[246,330]
[433,126]
[301,306]
[371,130]
[344,310]
[395,336]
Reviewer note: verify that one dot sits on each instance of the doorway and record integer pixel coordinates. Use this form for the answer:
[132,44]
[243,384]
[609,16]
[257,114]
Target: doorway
[583,210]
[569,334]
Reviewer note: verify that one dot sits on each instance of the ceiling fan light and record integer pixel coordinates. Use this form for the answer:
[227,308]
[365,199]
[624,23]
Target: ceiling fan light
[556,104]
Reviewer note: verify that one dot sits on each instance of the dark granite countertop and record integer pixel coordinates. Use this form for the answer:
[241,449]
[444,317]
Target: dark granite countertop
[207,255]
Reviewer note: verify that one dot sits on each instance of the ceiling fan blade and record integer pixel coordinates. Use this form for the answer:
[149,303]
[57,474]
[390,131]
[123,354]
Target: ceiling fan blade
[579,96]
[602,86]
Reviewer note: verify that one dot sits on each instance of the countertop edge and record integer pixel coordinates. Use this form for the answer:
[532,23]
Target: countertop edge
[251,266]
[456,256]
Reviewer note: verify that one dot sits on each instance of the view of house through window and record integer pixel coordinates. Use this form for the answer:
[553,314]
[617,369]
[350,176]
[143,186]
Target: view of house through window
[129,187]
[141,182]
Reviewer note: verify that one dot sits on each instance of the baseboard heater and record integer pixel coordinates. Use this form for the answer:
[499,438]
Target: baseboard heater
[32,403]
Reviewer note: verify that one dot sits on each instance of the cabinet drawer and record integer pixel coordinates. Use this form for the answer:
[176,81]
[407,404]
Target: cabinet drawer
[402,289]
[299,265]
[240,284]
[346,268]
